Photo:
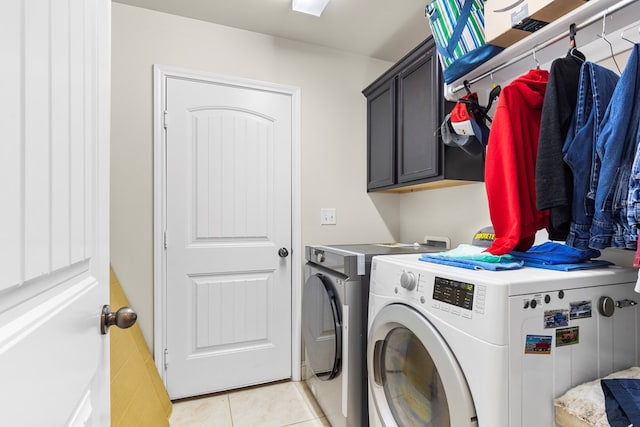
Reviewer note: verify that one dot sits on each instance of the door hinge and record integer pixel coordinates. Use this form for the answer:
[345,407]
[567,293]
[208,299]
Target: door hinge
[164,239]
[166,357]
[165,119]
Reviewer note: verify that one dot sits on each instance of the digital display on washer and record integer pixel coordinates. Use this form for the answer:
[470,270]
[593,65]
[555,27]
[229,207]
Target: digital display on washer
[453,292]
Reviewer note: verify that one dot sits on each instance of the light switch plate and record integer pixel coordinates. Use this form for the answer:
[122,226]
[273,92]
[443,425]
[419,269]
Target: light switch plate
[327,216]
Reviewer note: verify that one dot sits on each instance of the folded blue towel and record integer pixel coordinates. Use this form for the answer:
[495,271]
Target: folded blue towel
[570,267]
[472,264]
[556,253]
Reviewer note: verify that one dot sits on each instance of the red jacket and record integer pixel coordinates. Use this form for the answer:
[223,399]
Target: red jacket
[511,163]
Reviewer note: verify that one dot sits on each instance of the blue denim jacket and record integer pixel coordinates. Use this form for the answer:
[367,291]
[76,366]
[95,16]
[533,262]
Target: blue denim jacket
[595,88]
[615,149]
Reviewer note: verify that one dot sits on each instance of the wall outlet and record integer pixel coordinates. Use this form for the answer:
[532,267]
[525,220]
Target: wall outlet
[327,216]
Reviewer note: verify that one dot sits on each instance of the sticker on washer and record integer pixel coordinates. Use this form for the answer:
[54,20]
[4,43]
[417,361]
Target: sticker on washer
[580,310]
[538,344]
[556,318]
[567,336]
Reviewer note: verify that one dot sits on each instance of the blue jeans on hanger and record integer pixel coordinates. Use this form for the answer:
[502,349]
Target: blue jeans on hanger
[595,88]
[615,149]
[633,200]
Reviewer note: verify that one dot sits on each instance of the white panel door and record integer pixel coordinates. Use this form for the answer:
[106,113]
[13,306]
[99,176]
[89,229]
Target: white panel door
[228,180]
[54,161]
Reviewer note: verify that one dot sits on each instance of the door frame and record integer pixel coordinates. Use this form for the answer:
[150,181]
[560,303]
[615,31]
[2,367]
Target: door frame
[160,75]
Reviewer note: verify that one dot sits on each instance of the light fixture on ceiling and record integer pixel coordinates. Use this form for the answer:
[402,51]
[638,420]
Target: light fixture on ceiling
[312,7]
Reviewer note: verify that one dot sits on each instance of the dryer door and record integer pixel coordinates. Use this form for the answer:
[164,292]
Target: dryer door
[413,375]
[322,327]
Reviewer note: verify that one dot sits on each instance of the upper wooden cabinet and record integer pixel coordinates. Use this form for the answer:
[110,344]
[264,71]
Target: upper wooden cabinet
[404,109]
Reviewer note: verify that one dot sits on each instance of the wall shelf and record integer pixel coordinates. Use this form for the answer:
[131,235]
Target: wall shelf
[552,42]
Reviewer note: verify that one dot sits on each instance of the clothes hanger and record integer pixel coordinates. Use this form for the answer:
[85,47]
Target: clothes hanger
[626,39]
[493,95]
[467,86]
[603,36]
[536,59]
[573,48]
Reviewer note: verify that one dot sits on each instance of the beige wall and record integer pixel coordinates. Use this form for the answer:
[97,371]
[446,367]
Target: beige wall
[454,212]
[333,132]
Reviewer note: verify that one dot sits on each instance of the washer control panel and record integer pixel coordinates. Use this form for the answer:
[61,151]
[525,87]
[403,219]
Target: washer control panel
[453,292]
[448,295]
[470,301]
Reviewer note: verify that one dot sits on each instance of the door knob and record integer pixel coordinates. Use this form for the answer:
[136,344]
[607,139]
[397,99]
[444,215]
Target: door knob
[124,318]
[283,252]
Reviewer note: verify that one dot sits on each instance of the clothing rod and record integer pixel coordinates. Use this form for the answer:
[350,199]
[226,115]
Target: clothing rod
[612,9]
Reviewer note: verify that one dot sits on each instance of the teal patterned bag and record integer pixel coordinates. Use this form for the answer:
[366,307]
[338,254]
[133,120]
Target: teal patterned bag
[458,31]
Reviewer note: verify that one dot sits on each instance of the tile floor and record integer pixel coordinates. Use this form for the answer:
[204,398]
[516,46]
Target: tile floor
[273,405]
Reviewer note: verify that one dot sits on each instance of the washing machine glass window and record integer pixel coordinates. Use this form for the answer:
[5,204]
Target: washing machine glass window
[411,382]
[414,378]
[322,331]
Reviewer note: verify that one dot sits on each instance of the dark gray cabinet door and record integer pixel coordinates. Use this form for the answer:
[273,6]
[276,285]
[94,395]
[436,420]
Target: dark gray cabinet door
[403,110]
[381,150]
[417,120]
[405,106]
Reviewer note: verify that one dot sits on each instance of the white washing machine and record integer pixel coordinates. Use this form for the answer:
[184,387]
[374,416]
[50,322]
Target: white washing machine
[454,347]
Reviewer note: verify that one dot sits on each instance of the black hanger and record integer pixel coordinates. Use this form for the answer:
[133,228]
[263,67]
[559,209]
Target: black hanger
[572,36]
[493,95]
[467,86]
[573,47]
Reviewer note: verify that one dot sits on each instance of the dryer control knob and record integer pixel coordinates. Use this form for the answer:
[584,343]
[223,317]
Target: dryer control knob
[606,306]
[408,280]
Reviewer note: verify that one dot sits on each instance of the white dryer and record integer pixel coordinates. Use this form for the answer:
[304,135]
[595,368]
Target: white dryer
[454,347]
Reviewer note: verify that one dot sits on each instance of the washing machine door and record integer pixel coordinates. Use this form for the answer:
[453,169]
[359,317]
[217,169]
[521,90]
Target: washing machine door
[414,377]
[322,326]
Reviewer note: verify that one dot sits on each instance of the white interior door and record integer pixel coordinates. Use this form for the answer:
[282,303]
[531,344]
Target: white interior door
[228,214]
[54,226]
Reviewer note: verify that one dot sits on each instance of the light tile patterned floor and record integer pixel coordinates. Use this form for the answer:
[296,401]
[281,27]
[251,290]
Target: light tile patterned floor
[272,405]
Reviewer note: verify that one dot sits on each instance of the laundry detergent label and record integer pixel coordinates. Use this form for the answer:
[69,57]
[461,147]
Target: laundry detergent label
[538,344]
[556,318]
[567,336]
[580,310]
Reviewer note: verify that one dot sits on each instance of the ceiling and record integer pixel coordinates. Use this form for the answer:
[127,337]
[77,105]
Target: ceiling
[383,29]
